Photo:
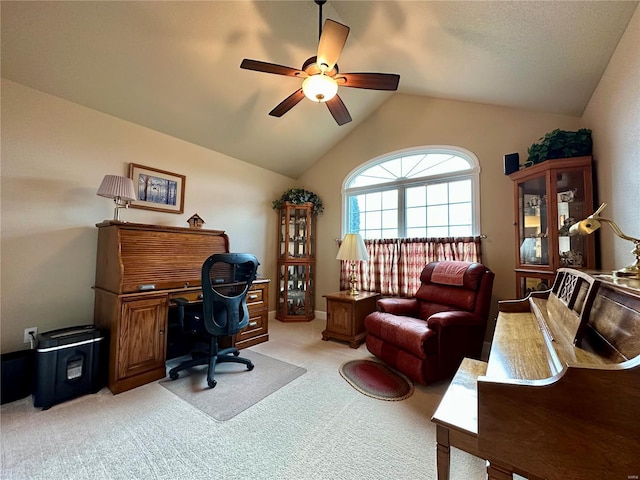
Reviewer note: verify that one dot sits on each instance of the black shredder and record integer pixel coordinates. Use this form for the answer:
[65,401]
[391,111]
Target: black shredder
[69,362]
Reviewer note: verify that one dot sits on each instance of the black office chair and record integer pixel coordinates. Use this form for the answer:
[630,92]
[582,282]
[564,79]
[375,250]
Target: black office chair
[226,278]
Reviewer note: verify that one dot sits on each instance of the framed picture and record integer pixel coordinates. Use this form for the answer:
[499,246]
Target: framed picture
[157,190]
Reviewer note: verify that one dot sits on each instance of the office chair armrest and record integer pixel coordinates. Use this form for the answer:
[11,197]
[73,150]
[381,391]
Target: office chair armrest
[181,303]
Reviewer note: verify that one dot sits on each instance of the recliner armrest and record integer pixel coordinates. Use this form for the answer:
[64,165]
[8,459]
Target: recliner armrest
[451,319]
[400,306]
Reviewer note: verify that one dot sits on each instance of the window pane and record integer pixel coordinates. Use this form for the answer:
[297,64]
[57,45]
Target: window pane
[416,196]
[390,199]
[390,219]
[353,222]
[389,233]
[460,191]
[437,232]
[416,232]
[373,220]
[416,217]
[437,216]
[437,194]
[460,231]
[373,201]
[460,214]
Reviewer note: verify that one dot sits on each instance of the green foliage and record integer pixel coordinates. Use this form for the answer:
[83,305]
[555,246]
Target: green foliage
[561,144]
[298,196]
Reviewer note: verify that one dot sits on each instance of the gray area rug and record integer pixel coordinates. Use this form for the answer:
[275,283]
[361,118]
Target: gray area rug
[237,388]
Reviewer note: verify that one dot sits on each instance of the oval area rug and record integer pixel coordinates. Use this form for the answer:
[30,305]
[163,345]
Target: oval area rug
[376,380]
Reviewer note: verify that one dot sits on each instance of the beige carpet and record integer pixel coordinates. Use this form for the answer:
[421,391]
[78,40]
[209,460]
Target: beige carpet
[316,427]
[237,388]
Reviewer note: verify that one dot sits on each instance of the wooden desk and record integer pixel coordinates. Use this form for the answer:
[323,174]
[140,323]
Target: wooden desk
[345,316]
[139,269]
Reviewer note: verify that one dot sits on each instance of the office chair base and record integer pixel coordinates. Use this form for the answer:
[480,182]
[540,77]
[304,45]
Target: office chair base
[222,357]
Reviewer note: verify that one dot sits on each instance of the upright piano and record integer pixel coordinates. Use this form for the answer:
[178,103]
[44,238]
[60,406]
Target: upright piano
[559,397]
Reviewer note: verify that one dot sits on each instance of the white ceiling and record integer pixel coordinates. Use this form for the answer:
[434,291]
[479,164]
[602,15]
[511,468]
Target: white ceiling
[174,66]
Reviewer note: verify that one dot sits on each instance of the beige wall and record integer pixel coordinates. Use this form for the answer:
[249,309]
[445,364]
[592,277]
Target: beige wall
[407,121]
[54,155]
[614,116]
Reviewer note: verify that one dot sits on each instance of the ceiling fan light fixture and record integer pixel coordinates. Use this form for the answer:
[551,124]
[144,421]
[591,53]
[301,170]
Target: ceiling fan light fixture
[319,88]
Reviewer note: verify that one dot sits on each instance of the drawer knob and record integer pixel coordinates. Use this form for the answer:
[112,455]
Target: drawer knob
[253,324]
[253,297]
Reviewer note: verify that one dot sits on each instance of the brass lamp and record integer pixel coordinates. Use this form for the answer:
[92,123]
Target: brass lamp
[353,250]
[592,223]
[120,189]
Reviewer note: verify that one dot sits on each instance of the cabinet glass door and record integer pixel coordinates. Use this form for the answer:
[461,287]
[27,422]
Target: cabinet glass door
[295,233]
[295,300]
[533,224]
[571,207]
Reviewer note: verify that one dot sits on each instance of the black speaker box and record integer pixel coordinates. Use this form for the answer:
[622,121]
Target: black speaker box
[511,163]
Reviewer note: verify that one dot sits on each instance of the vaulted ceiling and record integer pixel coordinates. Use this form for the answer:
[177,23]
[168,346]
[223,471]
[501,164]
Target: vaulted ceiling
[173,66]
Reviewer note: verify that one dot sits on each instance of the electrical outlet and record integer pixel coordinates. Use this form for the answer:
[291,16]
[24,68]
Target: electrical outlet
[28,332]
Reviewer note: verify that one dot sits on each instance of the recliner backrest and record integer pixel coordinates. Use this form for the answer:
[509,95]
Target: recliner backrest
[449,285]
[226,279]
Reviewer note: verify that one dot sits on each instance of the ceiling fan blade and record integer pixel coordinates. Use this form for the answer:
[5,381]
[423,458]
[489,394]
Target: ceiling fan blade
[338,110]
[332,40]
[371,81]
[287,104]
[266,67]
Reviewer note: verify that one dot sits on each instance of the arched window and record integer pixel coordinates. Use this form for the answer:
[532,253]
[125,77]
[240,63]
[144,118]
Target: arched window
[428,191]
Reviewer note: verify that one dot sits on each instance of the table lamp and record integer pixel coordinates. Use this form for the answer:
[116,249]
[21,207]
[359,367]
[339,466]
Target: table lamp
[120,189]
[353,250]
[594,222]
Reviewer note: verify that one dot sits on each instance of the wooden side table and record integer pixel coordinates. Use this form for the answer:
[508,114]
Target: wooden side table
[345,316]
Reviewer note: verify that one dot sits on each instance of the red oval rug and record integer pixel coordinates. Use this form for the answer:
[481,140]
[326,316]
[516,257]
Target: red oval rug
[376,380]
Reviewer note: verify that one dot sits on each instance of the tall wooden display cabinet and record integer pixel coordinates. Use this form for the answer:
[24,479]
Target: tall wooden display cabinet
[296,262]
[549,198]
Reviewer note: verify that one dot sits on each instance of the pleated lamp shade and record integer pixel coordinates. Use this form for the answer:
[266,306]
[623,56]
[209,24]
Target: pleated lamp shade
[352,248]
[117,187]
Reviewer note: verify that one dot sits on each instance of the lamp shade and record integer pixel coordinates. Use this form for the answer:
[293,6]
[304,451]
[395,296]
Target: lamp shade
[585,227]
[352,248]
[115,186]
[319,88]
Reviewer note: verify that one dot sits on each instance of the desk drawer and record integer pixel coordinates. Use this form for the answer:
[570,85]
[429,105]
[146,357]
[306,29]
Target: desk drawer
[256,332]
[255,297]
[256,325]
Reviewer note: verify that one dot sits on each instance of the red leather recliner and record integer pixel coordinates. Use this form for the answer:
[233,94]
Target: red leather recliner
[427,336]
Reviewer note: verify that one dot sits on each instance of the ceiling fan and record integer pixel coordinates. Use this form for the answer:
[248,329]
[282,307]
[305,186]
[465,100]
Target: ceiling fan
[321,74]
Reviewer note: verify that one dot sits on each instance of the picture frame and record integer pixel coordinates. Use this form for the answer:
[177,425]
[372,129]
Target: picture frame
[157,189]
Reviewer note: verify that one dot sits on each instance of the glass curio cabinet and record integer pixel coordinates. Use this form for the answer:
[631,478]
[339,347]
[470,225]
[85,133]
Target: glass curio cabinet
[549,198]
[296,262]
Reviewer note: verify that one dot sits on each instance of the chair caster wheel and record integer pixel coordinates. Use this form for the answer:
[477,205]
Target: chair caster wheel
[173,375]
[236,353]
[250,366]
[212,383]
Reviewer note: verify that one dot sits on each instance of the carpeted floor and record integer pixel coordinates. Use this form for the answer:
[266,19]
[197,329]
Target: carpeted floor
[315,427]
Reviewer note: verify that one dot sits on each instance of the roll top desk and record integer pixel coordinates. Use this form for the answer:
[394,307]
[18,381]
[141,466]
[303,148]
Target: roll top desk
[139,270]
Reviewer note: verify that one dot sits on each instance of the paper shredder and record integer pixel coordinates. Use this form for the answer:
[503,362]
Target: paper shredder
[69,362]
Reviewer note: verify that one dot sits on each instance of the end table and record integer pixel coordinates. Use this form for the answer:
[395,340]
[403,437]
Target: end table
[345,316]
